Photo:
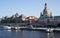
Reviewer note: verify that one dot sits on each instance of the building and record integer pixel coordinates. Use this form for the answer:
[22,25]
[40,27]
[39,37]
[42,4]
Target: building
[31,19]
[46,11]
[47,20]
[13,19]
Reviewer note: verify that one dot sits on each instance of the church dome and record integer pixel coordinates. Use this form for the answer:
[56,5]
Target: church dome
[46,11]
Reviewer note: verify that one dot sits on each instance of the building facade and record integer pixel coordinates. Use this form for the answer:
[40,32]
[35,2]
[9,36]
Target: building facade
[46,18]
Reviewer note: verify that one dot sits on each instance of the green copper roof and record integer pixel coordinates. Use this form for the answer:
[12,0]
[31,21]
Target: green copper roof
[50,17]
[46,17]
[56,16]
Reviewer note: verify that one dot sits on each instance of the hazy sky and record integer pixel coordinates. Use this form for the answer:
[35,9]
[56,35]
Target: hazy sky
[28,7]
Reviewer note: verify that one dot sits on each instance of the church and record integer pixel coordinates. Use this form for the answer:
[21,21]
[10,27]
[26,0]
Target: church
[46,18]
[46,11]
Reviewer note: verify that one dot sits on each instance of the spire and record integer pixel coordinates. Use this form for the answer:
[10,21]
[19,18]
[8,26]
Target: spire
[45,11]
[41,14]
[46,6]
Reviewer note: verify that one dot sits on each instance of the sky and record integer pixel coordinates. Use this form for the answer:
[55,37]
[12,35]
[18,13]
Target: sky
[28,7]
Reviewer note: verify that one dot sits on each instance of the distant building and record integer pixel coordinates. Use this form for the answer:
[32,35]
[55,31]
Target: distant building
[46,12]
[46,18]
[0,20]
[31,19]
[13,19]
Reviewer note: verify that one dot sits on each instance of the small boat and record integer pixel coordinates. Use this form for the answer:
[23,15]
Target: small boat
[27,27]
[6,27]
[17,28]
[49,30]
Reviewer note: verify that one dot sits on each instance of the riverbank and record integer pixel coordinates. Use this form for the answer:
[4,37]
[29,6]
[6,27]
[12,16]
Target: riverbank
[31,29]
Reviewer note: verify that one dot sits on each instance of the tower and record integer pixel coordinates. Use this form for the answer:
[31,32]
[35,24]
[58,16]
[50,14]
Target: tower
[46,11]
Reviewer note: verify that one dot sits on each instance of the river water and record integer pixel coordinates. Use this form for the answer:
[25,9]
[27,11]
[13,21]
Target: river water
[27,34]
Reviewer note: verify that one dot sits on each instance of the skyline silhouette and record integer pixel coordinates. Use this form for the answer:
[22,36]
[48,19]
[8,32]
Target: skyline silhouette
[28,7]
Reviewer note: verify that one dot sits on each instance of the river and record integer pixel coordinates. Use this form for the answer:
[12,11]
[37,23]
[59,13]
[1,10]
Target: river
[27,34]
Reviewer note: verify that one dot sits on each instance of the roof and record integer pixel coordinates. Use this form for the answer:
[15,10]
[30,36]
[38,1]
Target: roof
[56,16]
[46,17]
[50,17]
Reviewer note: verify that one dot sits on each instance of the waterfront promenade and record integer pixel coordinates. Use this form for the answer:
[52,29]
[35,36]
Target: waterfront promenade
[24,26]
[42,29]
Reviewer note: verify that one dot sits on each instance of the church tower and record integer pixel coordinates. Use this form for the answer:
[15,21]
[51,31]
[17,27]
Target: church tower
[46,11]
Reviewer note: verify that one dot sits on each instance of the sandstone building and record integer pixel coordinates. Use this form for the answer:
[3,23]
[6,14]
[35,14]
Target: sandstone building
[47,19]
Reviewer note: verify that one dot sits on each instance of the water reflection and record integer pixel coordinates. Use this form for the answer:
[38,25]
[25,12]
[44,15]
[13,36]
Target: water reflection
[27,34]
[50,35]
[9,30]
[22,33]
[14,30]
